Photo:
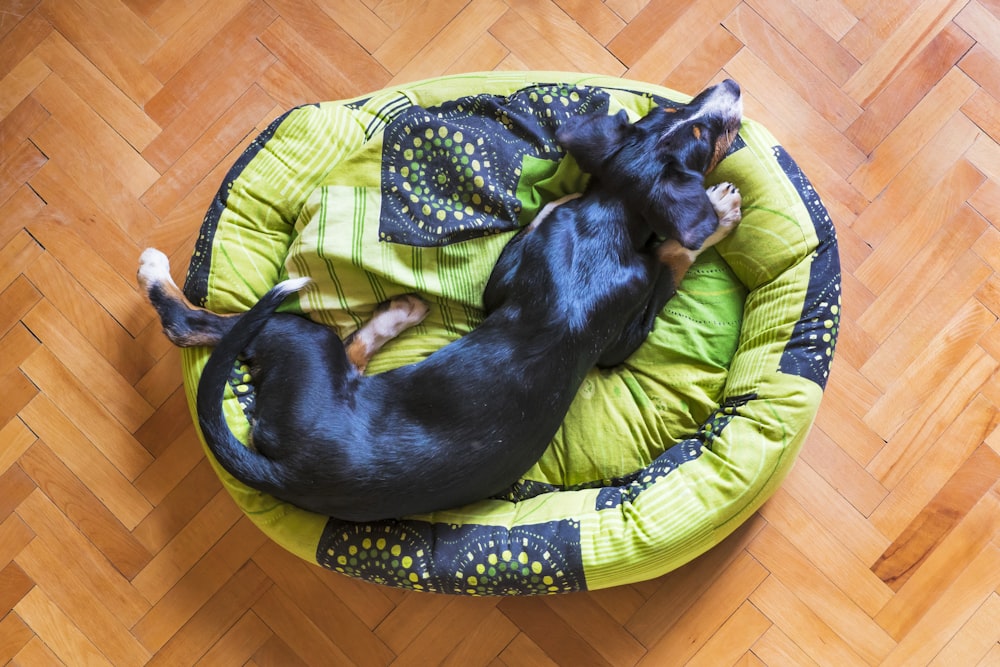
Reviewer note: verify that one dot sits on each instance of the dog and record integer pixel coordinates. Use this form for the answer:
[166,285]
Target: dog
[579,287]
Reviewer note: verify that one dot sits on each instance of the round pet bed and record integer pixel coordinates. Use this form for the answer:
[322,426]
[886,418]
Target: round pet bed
[417,188]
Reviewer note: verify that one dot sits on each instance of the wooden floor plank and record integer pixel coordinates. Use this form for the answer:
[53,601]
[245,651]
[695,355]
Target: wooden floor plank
[303,638]
[88,566]
[906,90]
[198,585]
[929,473]
[209,105]
[21,82]
[463,33]
[838,152]
[933,421]
[182,552]
[822,501]
[934,216]
[84,509]
[118,544]
[240,643]
[57,630]
[842,472]
[909,136]
[664,53]
[905,41]
[831,605]
[785,58]
[331,615]
[550,632]
[923,173]
[939,517]
[921,591]
[74,401]
[826,553]
[708,615]
[14,636]
[21,34]
[187,32]
[108,634]
[681,589]
[777,648]
[734,638]
[958,338]
[781,605]
[974,643]
[215,619]
[954,608]
[67,350]
[99,92]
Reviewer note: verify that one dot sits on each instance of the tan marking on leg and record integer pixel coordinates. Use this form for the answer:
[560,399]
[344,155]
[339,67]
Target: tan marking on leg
[388,321]
[154,271]
[173,307]
[677,257]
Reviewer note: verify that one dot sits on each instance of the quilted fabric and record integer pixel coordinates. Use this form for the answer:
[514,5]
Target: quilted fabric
[418,188]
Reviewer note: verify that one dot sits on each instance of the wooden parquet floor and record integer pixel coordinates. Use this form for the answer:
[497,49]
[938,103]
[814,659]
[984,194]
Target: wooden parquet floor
[118,545]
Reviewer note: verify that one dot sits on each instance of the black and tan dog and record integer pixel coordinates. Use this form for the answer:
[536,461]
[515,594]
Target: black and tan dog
[579,287]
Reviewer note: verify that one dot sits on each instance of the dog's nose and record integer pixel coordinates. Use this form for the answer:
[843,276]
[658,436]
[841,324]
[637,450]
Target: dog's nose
[730,97]
[723,97]
[731,87]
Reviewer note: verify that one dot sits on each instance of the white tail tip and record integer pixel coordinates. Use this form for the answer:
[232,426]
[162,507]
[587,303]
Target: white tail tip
[293,284]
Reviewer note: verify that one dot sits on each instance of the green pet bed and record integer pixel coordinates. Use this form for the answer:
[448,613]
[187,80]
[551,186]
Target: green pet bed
[417,189]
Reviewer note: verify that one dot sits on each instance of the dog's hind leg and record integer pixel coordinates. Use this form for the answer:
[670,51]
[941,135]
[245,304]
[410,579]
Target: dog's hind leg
[390,319]
[184,324]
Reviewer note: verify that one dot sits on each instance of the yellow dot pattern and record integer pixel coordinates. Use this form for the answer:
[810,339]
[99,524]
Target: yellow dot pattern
[452,173]
[471,560]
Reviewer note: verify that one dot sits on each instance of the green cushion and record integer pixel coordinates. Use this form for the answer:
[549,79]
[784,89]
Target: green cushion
[658,460]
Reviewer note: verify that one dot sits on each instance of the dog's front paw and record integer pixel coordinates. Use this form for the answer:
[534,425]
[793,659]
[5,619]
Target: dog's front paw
[726,200]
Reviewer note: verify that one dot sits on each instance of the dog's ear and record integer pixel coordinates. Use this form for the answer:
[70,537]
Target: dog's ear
[679,208]
[593,138]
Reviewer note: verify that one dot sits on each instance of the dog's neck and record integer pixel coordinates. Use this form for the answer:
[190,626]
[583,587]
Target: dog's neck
[641,235]
[632,209]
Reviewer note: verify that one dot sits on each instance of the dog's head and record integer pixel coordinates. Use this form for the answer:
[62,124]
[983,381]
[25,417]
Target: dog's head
[659,163]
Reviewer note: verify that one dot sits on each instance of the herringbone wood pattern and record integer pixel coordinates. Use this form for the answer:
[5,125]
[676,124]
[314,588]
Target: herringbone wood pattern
[117,544]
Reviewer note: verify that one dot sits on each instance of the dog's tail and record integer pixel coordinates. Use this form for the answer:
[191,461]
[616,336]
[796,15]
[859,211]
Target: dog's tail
[240,461]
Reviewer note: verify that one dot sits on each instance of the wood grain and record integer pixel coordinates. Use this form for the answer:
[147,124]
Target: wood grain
[118,120]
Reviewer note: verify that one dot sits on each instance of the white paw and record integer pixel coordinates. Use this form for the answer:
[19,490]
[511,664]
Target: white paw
[154,268]
[399,314]
[726,200]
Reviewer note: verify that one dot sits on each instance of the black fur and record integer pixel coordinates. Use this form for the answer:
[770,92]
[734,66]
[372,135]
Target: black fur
[581,288]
